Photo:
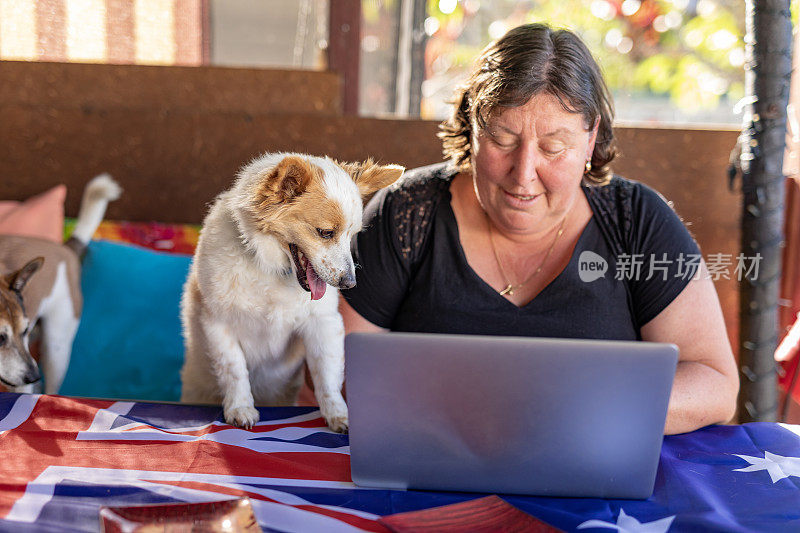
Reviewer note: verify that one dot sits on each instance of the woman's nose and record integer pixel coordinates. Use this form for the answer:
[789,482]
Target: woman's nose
[526,163]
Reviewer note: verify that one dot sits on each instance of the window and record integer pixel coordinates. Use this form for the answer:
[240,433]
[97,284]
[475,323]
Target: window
[664,60]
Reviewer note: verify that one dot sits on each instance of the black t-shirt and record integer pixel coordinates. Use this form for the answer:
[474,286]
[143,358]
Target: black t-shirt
[413,274]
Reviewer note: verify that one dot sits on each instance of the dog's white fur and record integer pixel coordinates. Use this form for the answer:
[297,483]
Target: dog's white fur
[59,326]
[50,299]
[248,323]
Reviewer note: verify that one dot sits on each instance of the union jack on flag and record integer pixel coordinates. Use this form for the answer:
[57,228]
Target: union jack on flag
[63,458]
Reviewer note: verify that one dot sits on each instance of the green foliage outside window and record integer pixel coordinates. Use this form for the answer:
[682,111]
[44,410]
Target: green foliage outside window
[689,51]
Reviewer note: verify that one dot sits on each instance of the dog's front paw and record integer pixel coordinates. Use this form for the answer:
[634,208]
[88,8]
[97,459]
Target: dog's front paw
[335,414]
[243,417]
[339,424]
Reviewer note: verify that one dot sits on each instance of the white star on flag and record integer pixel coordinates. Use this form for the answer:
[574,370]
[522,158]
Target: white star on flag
[777,466]
[628,524]
[794,428]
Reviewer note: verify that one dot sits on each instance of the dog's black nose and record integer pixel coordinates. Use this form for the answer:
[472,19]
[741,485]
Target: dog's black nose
[347,281]
[32,375]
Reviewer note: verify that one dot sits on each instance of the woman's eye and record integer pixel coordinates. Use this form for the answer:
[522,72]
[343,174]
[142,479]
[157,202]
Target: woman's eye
[553,150]
[498,138]
[325,233]
[502,142]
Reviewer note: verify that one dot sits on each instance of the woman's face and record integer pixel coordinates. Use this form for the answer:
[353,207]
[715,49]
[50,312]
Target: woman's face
[529,163]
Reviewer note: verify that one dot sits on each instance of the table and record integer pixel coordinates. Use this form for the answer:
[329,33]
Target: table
[65,457]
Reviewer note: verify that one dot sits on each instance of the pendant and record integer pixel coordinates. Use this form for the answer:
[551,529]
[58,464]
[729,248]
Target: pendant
[508,290]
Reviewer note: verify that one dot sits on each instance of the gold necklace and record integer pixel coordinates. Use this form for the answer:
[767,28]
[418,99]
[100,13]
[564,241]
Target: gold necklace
[509,289]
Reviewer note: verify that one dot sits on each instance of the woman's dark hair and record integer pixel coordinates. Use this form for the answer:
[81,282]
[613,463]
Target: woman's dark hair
[528,60]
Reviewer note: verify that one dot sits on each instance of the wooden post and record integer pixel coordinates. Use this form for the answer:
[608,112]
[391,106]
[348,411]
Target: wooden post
[767,76]
[344,48]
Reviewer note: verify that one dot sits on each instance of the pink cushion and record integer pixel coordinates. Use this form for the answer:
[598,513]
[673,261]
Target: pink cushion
[41,216]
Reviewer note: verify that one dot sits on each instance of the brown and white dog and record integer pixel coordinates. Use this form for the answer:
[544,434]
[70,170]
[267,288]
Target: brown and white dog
[42,288]
[281,232]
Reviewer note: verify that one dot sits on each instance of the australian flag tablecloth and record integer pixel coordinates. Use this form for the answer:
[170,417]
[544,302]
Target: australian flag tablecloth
[63,458]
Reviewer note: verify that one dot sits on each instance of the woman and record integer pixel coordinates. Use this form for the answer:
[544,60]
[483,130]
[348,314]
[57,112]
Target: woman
[500,240]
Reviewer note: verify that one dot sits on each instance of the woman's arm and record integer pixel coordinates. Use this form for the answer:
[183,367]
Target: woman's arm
[707,380]
[353,322]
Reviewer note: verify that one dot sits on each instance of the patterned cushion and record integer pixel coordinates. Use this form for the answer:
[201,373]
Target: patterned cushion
[169,238]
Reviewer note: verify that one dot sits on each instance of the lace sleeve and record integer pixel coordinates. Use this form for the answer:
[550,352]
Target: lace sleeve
[414,203]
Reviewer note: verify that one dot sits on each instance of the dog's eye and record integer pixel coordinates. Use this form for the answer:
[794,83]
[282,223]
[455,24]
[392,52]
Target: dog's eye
[325,233]
[3,339]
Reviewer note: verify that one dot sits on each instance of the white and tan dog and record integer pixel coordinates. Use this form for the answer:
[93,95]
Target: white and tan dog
[281,232]
[40,286]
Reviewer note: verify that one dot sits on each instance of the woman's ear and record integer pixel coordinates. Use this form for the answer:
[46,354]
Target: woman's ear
[592,139]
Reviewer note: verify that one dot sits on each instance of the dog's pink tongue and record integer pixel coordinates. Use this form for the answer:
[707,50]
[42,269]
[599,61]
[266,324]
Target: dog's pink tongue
[316,285]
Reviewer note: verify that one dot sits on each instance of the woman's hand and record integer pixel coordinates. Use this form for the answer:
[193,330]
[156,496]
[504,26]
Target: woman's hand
[707,380]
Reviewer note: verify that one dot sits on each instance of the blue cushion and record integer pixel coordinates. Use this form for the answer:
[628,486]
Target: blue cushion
[129,344]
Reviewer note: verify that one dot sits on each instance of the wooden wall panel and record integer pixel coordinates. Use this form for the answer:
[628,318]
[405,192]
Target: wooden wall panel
[41,145]
[172,163]
[197,89]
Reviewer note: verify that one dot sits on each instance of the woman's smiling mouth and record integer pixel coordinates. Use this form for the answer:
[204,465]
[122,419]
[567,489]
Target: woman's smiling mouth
[522,197]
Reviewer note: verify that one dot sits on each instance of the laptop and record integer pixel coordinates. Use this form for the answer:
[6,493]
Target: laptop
[515,415]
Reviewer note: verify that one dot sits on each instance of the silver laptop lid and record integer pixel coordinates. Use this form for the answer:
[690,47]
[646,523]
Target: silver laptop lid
[518,415]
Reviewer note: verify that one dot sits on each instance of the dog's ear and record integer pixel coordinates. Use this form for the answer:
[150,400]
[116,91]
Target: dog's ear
[370,177]
[288,180]
[16,280]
